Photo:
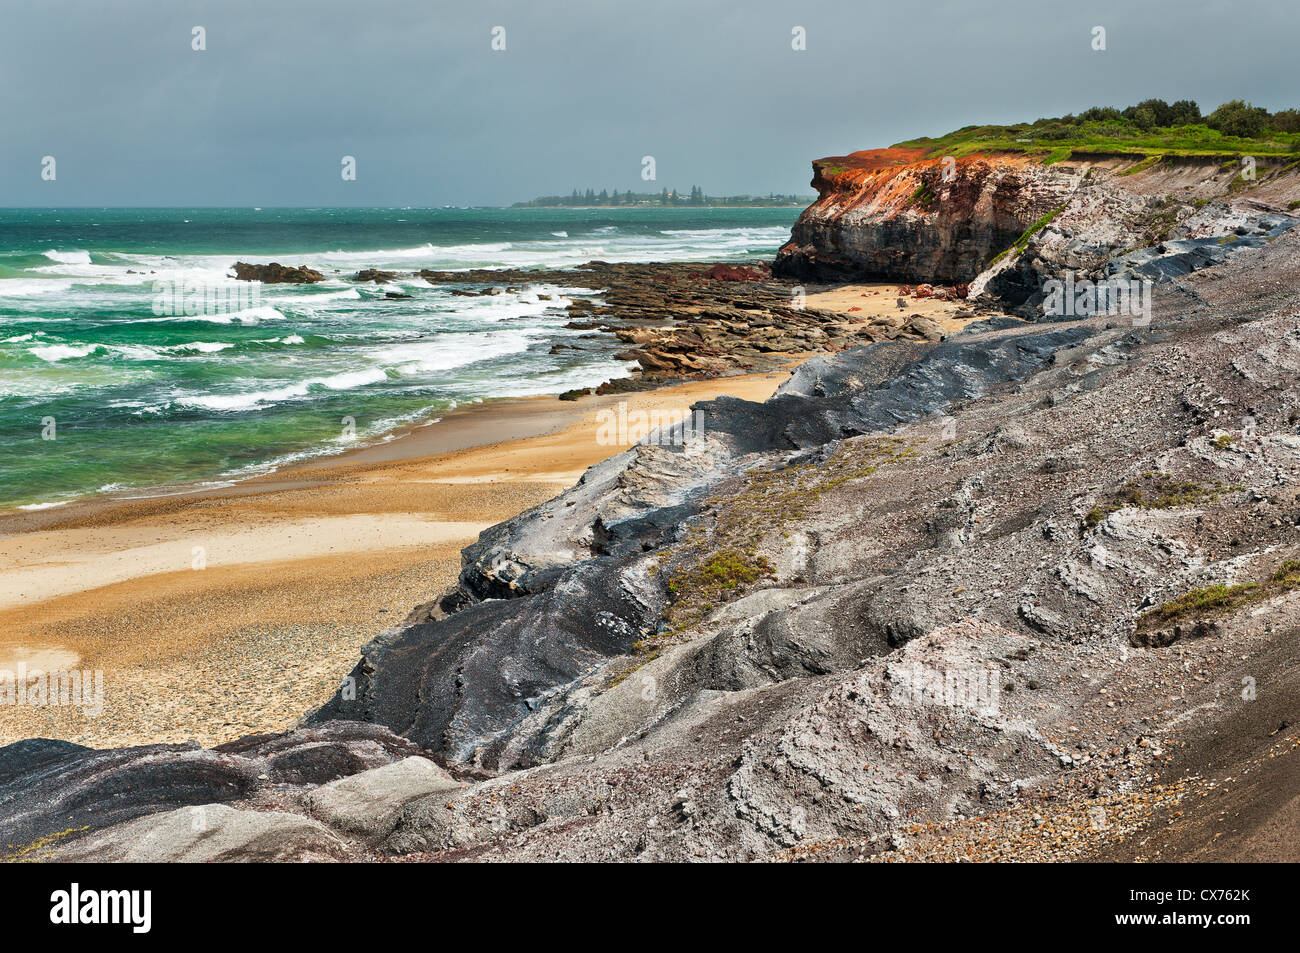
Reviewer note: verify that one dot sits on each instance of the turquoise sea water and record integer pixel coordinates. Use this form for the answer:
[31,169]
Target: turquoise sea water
[138,392]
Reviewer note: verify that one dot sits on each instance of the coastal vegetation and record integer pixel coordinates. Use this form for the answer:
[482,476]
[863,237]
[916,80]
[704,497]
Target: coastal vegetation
[1210,600]
[1152,128]
[1029,233]
[717,563]
[1156,491]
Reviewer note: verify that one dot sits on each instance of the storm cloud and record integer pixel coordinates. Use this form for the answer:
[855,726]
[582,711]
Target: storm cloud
[582,91]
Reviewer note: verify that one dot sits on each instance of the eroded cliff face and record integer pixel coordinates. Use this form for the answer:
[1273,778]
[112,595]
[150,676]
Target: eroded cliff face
[893,214]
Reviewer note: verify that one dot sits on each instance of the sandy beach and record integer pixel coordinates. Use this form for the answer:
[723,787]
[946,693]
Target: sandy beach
[217,613]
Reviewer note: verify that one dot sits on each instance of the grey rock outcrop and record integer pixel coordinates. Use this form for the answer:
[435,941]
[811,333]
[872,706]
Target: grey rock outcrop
[368,803]
[209,833]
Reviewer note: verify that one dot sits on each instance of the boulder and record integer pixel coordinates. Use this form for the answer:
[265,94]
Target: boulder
[368,803]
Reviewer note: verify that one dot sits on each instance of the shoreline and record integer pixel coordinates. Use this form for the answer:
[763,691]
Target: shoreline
[472,425]
[215,612]
[218,611]
[402,443]
[461,427]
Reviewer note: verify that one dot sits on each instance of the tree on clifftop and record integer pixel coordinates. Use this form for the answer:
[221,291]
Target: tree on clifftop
[1238,118]
[1185,113]
[1286,120]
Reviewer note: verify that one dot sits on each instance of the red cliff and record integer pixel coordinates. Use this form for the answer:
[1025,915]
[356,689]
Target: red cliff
[893,214]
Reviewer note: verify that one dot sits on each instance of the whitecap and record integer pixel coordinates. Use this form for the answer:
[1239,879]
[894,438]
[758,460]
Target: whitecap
[248,316]
[348,380]
[288,339]
[203,347]
[255,400]
[59,352]
[452,350]
[26,287]
[75,257]
[136,352]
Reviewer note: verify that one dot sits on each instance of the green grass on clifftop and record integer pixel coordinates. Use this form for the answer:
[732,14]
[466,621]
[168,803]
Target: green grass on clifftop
[1152,128]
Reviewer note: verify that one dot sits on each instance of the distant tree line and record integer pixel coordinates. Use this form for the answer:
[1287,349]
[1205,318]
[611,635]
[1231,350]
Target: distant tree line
[664,197]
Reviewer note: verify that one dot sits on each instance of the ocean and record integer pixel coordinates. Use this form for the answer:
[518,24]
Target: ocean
[112,381]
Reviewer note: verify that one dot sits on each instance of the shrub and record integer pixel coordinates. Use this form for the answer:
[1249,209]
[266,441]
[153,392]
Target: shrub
[1100,114]
[1288,120]
[1213,600]
[1238,118]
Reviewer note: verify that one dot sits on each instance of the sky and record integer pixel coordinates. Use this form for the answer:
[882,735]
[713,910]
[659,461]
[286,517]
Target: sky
[583,90]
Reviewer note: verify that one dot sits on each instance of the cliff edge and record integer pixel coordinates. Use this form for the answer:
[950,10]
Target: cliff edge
[895,214]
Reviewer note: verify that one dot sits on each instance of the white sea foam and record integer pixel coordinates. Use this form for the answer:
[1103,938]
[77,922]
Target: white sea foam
[287,339]
[250,401]
[77,257]
[561,249]
[255,400]
[203,347]
[61,352]
[137,352]
[154,409]
[348,294]
[351,379]
[248,316]
[29,287]
[452,350]
[409,359]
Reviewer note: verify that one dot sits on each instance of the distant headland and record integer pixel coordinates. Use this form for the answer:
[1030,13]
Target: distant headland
[696,198]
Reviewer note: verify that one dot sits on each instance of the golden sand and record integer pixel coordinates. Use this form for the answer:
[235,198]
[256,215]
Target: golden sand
[219,613]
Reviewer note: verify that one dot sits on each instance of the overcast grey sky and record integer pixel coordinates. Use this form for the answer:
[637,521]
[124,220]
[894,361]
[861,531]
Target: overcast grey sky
[583,90]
